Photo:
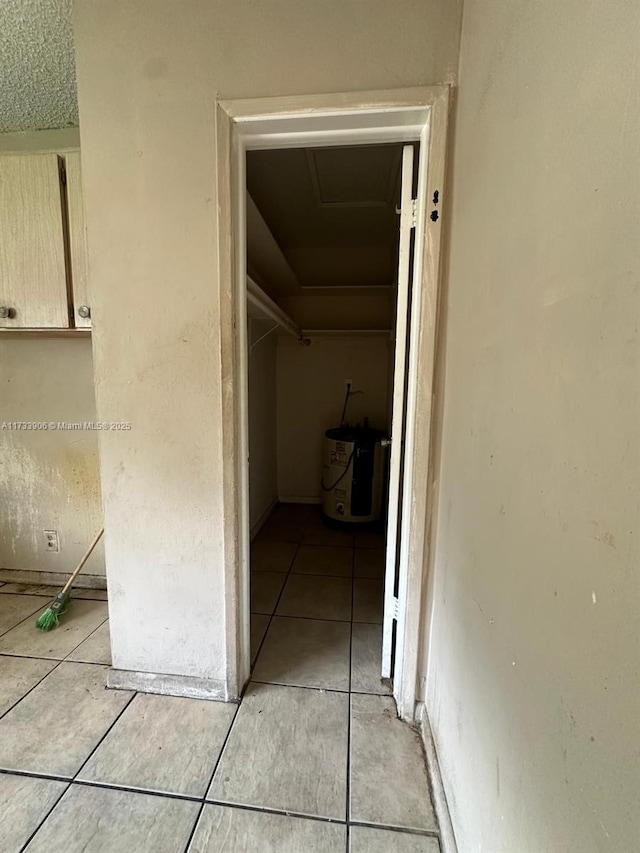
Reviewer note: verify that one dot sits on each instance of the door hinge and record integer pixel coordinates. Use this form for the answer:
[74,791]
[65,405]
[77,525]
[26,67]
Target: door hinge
[395,608]
[414,212]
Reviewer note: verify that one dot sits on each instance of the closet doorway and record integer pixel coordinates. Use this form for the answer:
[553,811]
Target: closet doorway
[335,221]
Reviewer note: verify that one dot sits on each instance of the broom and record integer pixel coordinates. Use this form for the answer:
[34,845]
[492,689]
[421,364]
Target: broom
[48,619]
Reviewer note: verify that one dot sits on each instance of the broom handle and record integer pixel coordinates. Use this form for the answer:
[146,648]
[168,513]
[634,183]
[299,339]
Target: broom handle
[76,571]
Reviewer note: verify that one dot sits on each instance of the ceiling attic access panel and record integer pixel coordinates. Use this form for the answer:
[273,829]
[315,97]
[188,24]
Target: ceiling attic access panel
[332,211]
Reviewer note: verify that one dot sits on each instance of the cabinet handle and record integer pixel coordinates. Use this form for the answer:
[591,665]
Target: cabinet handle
[6,313]
[84,311]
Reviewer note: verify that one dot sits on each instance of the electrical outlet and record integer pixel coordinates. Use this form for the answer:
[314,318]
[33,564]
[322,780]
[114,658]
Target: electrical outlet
[53,543]
[348,382]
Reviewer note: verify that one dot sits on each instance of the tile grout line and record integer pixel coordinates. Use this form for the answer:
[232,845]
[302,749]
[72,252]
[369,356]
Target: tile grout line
[75,648]
[31,689]
[318,689]
[104,786]
[101,740]
[31,774]
[406,830]
[25,619]
[203,799]
[189,798]
[401,830]
[45,818]
[315,574]
[46,595]
[18,656]
[274,811]
[35,657]
[274,539]
[72,780]
[348,785]
[316,618]
[271,615]
[301,686]
[275,606]
[58,661]
[33,612]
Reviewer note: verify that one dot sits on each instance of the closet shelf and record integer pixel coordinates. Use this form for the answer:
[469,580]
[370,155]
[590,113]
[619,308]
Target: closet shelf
[258,298]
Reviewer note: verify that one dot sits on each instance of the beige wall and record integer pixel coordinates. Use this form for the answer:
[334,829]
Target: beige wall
[263,478]
[49,480]
[148,76]
[533,674]
[342,308]
[311,392]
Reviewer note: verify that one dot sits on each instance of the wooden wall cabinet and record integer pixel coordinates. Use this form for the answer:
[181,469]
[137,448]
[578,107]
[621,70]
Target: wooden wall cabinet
[43,262]
[77,243]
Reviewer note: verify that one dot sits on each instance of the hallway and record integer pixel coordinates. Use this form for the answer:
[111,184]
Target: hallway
[313,758]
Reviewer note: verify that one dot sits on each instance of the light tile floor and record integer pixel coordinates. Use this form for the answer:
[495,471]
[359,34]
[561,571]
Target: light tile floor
[313,759]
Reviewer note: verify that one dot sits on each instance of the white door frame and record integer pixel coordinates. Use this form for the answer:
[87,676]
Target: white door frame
[356,118]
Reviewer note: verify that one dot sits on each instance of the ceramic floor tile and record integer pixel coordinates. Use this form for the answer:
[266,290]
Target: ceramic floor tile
[15,608]
[365,839]
[265,589]
[316,597]
[267,556]
[371,539]
[259,623]
[52,591]
[280,529]
[318,532]
[18,676]
[98,820]
[164,744]
[96,648]
[71,710]
[293,514]
[369,563]
[385,748]
[367,600]
[321,560]
[287,751]
[24,803]
[80,620]
[366,659]
[228,830]
[305,653]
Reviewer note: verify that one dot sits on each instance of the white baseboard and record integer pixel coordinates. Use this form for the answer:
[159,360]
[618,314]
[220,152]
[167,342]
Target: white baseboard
[255,528]
[447,836]
[167,685]
[51,578]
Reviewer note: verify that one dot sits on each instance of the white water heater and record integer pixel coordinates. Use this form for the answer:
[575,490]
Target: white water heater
[353,473]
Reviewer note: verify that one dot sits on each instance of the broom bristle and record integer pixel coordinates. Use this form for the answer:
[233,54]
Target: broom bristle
[47,620]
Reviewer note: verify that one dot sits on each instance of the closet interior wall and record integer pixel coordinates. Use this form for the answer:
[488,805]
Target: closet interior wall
[296,392]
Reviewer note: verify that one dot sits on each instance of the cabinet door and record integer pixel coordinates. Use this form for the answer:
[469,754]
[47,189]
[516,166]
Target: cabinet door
[77,242]
[33,277]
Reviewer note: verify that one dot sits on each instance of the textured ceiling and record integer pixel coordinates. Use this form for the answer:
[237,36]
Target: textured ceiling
[37,68]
